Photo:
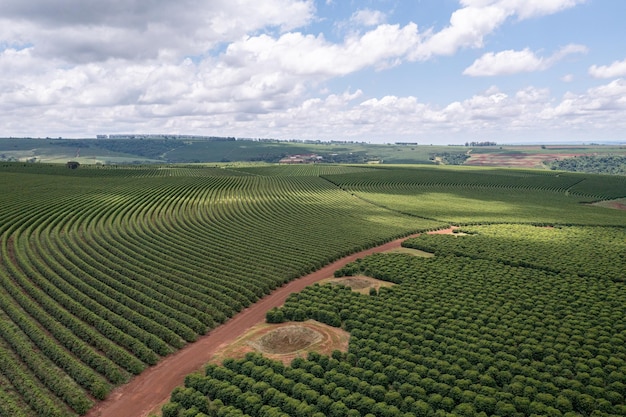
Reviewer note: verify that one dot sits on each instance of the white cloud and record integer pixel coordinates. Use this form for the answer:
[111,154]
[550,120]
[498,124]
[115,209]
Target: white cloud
[505,62]
[90,30]
[616,69]
[525,9]
[249,68]
[468,27]
[603,105]
[367,17]
[479,18]
[513,62]
[493,113]
[307,55]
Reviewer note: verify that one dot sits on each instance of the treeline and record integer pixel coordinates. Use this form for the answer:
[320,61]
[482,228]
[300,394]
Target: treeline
[149,148]
[450,158]
[361,157]
[598,164]
[485,143]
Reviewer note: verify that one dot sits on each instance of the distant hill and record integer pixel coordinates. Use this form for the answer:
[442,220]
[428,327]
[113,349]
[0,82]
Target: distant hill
[160,150]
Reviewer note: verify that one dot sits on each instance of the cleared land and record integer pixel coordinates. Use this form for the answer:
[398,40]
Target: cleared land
[618,204]
[534,156]
[361,283]
[286,341]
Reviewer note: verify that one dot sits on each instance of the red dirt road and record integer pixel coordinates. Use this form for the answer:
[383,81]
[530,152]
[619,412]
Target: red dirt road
[152,387]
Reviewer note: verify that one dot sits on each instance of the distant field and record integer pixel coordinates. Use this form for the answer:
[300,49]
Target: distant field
[150,151]
[534,156]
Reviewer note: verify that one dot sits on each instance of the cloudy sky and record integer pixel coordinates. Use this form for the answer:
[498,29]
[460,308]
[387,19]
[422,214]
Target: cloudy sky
[431,71]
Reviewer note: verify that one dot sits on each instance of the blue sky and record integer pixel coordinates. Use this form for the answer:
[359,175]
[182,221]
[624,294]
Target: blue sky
[431,71]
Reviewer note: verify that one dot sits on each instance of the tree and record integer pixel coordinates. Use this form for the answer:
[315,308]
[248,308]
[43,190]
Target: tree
[171,409]
[275,315]
[338,409]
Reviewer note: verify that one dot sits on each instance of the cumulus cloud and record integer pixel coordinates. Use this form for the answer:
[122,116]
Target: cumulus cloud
[512,62]
[468,27]
[250,68]
[478,18]
[368,17]
[88,30]
[608,101]
[525,9]
[297,53]
[616,69]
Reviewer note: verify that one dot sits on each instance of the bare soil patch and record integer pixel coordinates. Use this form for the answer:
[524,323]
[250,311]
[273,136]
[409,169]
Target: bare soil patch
[286,341]
[520,160]
[146,392]
[358,283]
[449,231]
[618,204]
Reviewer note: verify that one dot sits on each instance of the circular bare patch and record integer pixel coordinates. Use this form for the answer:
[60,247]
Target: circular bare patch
[287,339]
[355,283]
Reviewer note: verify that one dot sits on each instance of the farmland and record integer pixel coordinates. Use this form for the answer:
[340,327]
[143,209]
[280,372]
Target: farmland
[231,150]
[107,269]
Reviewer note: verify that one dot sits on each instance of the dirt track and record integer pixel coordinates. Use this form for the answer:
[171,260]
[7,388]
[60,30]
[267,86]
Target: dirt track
[153,387]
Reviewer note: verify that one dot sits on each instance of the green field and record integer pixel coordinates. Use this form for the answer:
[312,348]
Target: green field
[145,151]
[229,150]
[106,269]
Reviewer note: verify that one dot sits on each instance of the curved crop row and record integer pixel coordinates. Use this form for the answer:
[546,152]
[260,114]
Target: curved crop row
[111,268]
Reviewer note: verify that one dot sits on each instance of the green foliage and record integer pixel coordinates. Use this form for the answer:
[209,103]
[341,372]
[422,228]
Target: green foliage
[583,251]
[598,164]
[464,333]
[465,195]
[104,270]
[450,158]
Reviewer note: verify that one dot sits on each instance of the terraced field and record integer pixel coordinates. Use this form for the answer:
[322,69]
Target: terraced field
[105,270]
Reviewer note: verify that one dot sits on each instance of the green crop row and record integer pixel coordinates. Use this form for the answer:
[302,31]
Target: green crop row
[33,393]
[106,269]
[584,251]
[46,371]
[110,268]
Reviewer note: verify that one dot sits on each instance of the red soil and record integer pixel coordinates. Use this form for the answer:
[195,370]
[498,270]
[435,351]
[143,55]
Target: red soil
[152,387]
[520,160]
[619,204]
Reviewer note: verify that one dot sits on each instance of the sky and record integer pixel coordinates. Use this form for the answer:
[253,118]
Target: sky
[378,71]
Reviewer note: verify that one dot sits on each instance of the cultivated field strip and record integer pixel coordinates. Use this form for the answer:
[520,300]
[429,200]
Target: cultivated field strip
[469,196]
[105,270]
[589,186]
[588,252]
